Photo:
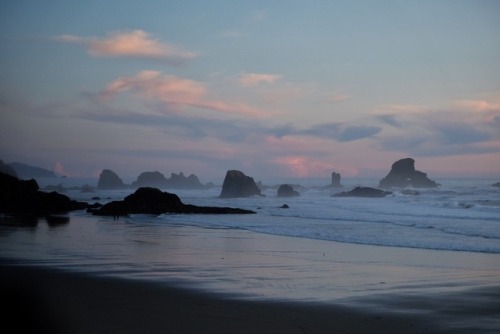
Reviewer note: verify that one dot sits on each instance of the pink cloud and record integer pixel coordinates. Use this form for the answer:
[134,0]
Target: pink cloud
[59,169]
[306,166]
[174,90]
[130,43]
[477,105]
[154,85]
[254,79]
[338,97]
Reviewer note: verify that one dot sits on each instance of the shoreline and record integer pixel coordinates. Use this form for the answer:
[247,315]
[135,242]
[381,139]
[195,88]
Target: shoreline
[185,279]
[251,264]
[62,302]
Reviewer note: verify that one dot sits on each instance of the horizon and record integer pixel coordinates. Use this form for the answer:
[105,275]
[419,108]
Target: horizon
[218,180]
[276,90]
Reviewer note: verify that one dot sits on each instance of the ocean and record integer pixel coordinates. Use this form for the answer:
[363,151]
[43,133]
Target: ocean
[320,248]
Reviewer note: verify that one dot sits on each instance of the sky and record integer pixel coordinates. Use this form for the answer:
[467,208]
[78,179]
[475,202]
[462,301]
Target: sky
[276,89]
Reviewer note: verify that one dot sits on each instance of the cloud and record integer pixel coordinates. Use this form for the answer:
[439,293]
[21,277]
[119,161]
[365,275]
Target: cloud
[173,90]
[459,133]
[130,43]
[59,169]
[155,85]
[341,132]
[352,133]
[302,166]
[254,79]
[390,120]
[406,108]
[338,97]
[465,127]
[69,39]
[231,130]
[476,105]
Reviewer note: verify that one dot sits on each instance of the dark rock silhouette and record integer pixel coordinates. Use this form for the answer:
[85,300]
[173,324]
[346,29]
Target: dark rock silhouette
[25,171]
[59,188]
[335,181]
[179,181]
[176,181]
[237,184]
[22,197]
[496,184]
[109,180]
[286,190]
[403,174]
[150,179]
[363,192]
[6,169]
[148,200]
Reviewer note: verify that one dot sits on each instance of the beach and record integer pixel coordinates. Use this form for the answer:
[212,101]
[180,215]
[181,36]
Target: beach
[103,276]
[53,301]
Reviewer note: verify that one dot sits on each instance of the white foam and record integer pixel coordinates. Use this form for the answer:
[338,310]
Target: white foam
[460,215]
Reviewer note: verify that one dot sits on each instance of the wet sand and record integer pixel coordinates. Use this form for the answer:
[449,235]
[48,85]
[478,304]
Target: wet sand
[44,300]
[117,277]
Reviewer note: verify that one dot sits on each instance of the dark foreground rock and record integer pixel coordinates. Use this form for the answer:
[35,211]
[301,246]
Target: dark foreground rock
[148,200]
[403,174]
[237,184]
[286,190]
[23,197]
[363,192]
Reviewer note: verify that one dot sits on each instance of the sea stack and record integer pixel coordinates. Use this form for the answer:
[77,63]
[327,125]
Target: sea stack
[363,192]
[150,179]
[109,180]
[403,174]
[237,184]
[335,181]
[286,190]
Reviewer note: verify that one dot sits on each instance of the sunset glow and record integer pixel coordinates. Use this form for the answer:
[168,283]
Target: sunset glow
[272,89]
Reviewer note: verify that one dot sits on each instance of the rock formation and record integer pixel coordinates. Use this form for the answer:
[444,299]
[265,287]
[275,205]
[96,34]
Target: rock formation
[403,174]
[26,172]
[153,201]
[496,184]
[176,181]
[286,190]
[179,181]
[109,180]
[23,198]
[237,184]
[335,181]
[150,179]
[363,192]
[6,169]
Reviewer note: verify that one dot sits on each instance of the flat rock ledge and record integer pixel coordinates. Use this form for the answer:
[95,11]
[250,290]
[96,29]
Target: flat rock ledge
[148,200]
[363,192]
